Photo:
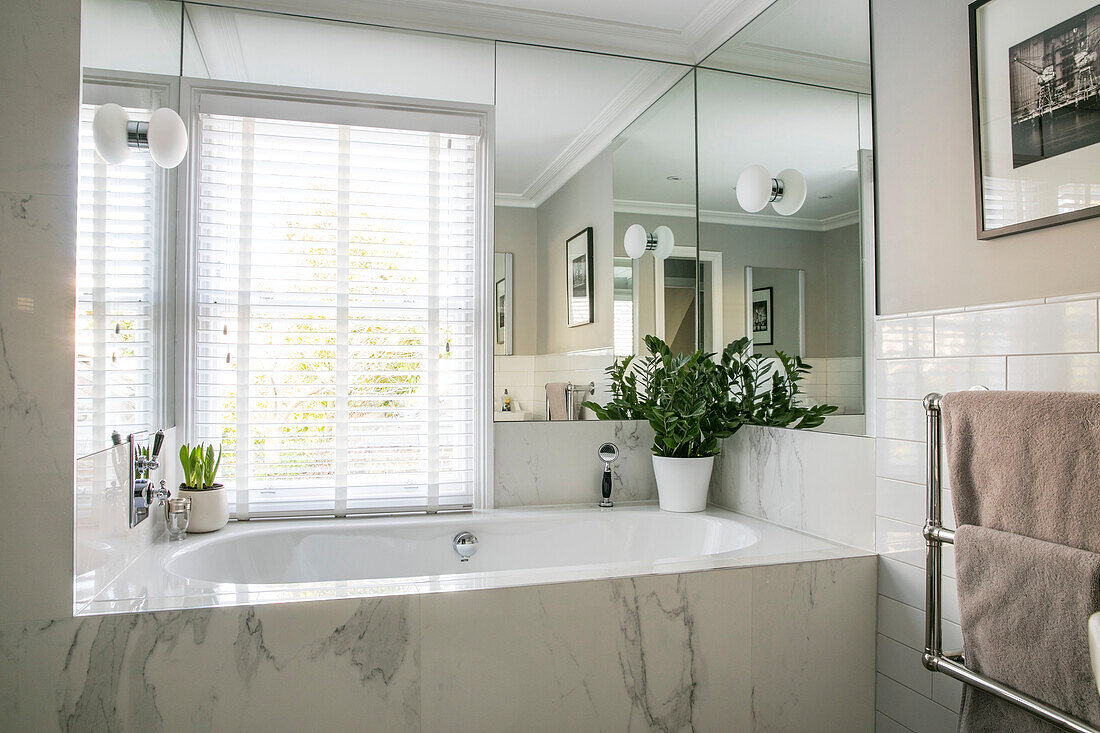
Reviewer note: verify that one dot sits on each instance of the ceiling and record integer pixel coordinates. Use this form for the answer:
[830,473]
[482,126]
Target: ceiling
[684,31]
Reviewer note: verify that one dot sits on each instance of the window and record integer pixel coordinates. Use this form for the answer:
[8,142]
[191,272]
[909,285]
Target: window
[118,245]
[333,306]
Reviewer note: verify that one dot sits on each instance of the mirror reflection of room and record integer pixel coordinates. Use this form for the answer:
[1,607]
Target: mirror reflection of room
[565,304]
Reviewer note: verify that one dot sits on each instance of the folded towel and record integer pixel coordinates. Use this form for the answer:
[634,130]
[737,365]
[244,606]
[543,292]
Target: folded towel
[1025,605]
[557,401]
[1026,462]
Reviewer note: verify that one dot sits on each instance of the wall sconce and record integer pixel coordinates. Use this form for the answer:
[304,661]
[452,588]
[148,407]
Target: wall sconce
[756,189]
[638,241]
[115,135]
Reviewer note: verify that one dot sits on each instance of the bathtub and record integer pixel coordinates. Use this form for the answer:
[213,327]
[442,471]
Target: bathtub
[292,560]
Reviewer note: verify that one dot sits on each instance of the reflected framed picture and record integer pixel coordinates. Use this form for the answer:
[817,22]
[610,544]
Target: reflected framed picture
[762,317]
[1035,87]
[578,278]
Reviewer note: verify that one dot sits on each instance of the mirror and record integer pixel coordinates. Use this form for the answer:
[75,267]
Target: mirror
[560,162]
[502,303]
[785,195]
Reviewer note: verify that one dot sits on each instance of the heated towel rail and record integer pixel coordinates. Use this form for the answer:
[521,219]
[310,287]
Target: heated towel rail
[935,535]
[570,390]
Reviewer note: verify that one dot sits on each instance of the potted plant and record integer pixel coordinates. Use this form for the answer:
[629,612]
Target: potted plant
[209,503]
[693,402]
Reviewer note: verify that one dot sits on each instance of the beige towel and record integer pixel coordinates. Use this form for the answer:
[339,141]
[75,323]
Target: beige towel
[1026,462]
[556,400]
[1025,605]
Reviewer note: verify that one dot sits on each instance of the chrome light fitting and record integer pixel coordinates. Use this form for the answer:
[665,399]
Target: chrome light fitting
[756,188]
[116,135]
[638,241]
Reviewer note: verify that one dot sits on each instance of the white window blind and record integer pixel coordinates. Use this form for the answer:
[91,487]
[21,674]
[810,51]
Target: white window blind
[116,284]
[334,314]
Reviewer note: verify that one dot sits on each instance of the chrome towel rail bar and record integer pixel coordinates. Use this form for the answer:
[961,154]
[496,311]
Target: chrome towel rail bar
[935,535]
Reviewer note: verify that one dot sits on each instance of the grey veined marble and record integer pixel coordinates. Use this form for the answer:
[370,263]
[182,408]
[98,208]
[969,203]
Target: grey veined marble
[747,649]
[537,463]
[286,667]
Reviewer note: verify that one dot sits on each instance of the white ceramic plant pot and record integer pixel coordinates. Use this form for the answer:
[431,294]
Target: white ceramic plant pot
[209,508]
[682,483]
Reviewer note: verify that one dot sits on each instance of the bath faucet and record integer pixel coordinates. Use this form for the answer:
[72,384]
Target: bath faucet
[607,452]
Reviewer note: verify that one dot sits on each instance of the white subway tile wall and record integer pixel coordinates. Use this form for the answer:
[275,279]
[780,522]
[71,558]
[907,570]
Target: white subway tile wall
[526,377]
[1049,345]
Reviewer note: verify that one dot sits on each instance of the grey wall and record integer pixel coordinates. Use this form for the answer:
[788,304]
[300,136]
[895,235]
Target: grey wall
[40,89]
[784,285]
[768,247]
[585,201]
[928,254]
[515,232]
[844,278]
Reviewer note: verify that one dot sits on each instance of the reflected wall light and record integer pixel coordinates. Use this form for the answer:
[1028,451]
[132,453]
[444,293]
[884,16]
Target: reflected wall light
[115,135]
[638,241]
[756,188]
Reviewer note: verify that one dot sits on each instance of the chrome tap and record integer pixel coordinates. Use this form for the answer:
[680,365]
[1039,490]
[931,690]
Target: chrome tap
[608,453]
[142,490]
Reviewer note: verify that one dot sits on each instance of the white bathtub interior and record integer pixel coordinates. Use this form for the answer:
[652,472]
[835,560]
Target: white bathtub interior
[288,560]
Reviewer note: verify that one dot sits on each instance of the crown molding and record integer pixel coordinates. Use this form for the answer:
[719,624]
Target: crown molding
[515,200]
[643,90]
[715,23]
[802,66]
[657,208]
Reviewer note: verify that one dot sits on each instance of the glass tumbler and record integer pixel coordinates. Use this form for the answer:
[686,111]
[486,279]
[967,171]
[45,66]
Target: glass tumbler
[177,515]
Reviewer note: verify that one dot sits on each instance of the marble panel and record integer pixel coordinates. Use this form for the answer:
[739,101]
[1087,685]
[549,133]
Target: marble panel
[40,86]
[537,463]
[351,665]
[813,638]
[37,322]
[819,483]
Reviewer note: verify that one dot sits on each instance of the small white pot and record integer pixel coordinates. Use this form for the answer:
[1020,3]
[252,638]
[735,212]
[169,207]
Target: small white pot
[209,509]
[682,483]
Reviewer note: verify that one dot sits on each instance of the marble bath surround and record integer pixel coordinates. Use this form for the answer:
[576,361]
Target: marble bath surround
[774,647]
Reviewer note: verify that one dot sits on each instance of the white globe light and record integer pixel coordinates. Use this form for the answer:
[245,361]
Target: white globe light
[794,192]
[754,188]
[109,133]
[634,241]
[167,138]
[665,242]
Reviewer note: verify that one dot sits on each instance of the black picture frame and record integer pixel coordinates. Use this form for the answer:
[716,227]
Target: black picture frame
[768,330]
[976,96]
[579,279]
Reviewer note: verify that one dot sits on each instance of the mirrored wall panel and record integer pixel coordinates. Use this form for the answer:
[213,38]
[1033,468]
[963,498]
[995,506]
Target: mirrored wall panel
[573,298]
[780,208]
[823,42]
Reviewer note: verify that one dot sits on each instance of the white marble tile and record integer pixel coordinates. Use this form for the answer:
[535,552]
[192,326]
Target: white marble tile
[331,665]
[912,379]
[648,653]
[799,689]
[913,710]
[37,303]
[904,338]
[1055,373]
[40,86]
[820,483]
[901,460]
[1051,328]
[538,463]
[901,419]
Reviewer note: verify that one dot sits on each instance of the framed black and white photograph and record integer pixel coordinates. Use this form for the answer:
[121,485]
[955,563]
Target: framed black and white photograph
[1035,75]
[762,317]
[578,277]
[501,301]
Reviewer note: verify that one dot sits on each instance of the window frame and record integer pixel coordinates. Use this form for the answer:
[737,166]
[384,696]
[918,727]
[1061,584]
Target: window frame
[185,318]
